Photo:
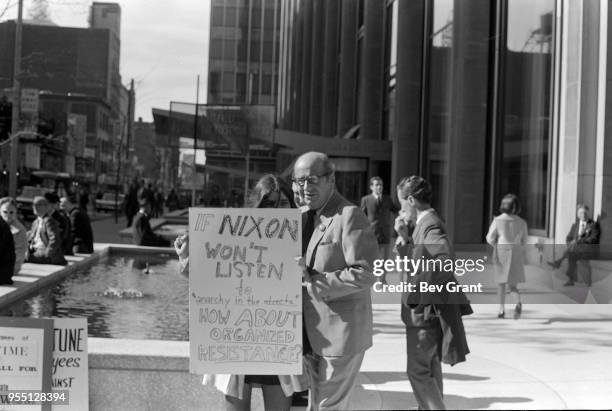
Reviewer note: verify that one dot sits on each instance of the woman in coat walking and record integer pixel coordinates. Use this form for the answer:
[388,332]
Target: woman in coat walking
[508,236]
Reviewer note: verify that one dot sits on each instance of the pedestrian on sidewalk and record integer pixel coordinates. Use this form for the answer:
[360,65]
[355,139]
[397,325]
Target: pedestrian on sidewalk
[434,327]
[508,236]
[381,212]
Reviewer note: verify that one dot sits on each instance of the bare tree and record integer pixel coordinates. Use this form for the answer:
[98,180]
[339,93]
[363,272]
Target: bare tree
[5,6]
[39,11]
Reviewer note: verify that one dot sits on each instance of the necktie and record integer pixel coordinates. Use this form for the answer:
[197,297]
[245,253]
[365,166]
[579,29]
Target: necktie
[308,230]
[581,229]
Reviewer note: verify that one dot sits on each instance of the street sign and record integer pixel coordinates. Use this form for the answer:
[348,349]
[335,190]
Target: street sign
[29,100]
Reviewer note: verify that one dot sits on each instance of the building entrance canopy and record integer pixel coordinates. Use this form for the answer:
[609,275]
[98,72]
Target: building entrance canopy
[218,127]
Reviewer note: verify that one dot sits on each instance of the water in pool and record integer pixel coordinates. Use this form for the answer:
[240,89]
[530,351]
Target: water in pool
[119,299]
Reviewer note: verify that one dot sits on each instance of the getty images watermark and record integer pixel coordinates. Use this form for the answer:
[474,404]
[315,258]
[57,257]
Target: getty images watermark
[459,267]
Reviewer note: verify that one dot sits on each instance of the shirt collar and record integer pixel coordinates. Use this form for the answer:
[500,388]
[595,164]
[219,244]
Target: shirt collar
[318,212]
[424,213]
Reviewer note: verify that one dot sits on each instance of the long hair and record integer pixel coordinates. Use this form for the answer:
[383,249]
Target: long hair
[265,187]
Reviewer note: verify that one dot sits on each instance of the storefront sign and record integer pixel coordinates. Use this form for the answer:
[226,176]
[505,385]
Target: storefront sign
[245,295]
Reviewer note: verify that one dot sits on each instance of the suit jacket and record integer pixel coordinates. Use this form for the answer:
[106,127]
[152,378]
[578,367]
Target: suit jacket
[52,239]
[337,306]
[380,216]
[82,234]
[439,309]
[143,235]
[587,244]
[7,251]
[66,230]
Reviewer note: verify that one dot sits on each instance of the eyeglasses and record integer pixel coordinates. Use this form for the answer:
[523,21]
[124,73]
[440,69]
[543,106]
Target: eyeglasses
[310,179]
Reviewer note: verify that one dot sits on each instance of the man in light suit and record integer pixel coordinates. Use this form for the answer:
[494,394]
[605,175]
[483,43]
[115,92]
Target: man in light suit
[339,248]
[434,328]
[380,211]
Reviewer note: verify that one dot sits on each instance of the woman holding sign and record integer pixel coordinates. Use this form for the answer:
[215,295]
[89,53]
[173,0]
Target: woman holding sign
[269,192]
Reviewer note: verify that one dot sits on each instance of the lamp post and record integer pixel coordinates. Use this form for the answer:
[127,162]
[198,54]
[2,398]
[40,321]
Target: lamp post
[16,104]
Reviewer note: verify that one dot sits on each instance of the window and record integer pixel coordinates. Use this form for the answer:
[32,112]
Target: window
[525,107]
[217,16]
[216,49]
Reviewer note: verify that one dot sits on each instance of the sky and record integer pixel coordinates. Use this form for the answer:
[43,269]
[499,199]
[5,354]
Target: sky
[164,46]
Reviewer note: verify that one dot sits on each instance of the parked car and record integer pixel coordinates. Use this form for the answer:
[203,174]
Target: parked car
[25,199]
[107,202]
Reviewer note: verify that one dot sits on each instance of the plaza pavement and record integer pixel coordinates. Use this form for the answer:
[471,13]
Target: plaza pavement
[557,356]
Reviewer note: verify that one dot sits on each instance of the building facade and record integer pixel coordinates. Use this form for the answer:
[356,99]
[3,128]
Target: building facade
[244,51]
[76,72]
[480,97]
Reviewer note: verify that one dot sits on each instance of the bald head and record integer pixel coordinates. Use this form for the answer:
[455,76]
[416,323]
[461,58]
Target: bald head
[315,161]
[313,177]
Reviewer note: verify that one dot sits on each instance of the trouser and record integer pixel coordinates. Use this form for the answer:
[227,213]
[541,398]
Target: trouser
[332,380]
[424,369]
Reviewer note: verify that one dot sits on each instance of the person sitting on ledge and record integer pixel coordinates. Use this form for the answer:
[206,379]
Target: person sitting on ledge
[7,254]
[45,238]
[82,234]
[582,241]
[141,228]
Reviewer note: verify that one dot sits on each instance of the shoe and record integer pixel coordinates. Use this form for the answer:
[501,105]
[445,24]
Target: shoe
[518,309]
[501,315]
[554,264]
[569,283]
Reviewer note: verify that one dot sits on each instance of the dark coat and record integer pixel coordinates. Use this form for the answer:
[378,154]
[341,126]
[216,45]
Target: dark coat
[587,244]
[441,309]
[51,236]
[66,230]
[143,235]
[7,252]
[82,234]
[380,215]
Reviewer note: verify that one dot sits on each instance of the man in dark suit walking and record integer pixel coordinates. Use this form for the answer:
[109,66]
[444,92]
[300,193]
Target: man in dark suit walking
[380,210]
[582,241]
[434,327]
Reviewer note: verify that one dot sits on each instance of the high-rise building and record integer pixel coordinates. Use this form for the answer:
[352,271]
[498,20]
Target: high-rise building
[66,64]
[480,97]
[244,51]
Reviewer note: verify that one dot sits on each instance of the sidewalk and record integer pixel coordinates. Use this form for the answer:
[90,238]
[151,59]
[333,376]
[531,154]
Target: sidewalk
[554,357]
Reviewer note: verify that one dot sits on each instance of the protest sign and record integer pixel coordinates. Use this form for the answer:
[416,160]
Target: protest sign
[245,298]
[25,359]
[70,366]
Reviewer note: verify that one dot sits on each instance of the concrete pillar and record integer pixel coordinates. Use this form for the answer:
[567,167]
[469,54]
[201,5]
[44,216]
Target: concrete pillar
[295,106]
[468,141]
[605,149]
[306,66]
[316,73]
[348,65]
[329,106]
[372,72]
[405,157]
